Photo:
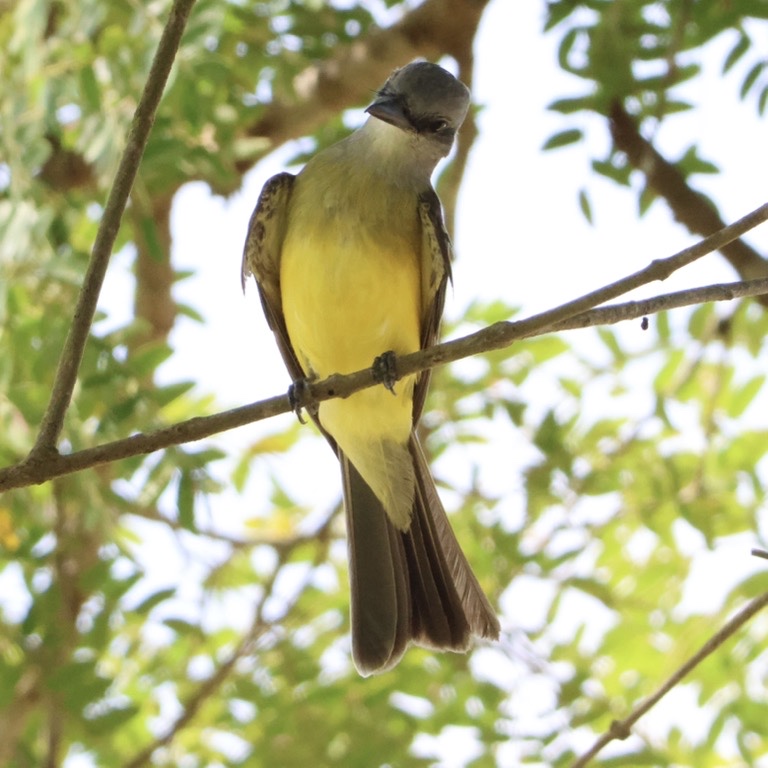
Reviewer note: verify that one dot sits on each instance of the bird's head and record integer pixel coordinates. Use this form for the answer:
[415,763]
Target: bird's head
[426,102]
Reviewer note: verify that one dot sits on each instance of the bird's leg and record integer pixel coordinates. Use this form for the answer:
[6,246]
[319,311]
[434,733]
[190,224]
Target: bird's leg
[297,396]
[385,370]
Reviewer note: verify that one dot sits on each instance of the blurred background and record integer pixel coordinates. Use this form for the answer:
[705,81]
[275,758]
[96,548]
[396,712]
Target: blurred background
[190,608]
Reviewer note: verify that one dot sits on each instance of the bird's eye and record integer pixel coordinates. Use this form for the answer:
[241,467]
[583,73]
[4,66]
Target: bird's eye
[438,125]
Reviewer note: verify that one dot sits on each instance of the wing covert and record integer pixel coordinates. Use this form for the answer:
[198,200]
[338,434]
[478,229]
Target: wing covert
[436,256]
[261,258]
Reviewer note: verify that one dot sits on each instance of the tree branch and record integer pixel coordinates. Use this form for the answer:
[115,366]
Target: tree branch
[259,627]
[153,300]
[621,729]
[354,71]
[573,314]
[74,346]
[631,310]
[690,208]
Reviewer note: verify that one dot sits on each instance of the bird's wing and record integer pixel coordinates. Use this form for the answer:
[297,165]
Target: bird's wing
[436,256]
[261,258]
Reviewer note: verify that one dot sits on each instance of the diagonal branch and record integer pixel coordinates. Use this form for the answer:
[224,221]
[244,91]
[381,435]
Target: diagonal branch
[689,207]
[352,72]
[574,314]
[74,346]
[621,729]
[631,310]
[260,626]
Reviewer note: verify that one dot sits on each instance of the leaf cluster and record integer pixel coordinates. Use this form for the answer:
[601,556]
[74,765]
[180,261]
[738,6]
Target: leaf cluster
[140,624]
[641,55]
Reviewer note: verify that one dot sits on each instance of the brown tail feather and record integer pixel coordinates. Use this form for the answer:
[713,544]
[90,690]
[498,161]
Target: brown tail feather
[475,607]
[408,586]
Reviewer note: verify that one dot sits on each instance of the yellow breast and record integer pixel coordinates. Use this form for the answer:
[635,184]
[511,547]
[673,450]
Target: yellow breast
[351,290]
[350,280]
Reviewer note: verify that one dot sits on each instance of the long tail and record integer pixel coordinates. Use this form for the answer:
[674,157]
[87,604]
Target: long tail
[408,586]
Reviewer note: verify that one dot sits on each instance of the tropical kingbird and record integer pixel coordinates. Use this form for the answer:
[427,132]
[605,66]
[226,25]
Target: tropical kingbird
[352,261]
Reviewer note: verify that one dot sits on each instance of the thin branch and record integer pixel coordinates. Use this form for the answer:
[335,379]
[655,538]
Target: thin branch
[277,541]
[259,627]
[207,687]
[345,78]
[153,515]
[431,29]
[143,119]
[35,470]
[631,310]
[621,729]
[692,209]
[31,472]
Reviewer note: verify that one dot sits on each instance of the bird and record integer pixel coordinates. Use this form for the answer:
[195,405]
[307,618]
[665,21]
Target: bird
[352,260]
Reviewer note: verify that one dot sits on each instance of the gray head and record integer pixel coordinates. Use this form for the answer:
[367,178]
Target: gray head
[425,101]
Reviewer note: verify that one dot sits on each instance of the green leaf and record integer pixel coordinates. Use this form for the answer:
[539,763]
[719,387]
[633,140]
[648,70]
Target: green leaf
[646,200]
[751,78]
[751,587]
[124,409]
[762,100]
[572,104]
[563,138]
[185,501]
[148,603]
[585,205]
[90,89]
[184,627]
[702,321]
[667,376]
[557,12]
[691,163]
[190,312]
[78,684]
[565,47]
[662,328]
[149,357]
[676,106]
[744,396]
[167,394]
[113,718]
[609,339]
[739,49]
[608,168]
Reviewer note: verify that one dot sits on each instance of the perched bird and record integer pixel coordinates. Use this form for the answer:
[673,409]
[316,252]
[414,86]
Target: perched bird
[352,260]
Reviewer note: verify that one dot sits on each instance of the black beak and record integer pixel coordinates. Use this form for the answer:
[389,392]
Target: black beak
[391,110]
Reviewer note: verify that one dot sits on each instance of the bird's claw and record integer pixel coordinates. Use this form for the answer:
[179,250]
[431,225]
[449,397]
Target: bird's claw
[297,395]
[385,370]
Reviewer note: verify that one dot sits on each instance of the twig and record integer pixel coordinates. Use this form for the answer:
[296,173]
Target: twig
[659,269]
[351,73]
[209,686]
[259,627]
[621,729]
[35,470]
[630,310]
[689,207]
[143,119]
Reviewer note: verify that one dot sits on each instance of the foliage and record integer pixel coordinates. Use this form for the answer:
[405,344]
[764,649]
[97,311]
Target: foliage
[242,657]
[638,54]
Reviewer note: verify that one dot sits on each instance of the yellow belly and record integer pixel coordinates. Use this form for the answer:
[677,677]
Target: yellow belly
[351,290]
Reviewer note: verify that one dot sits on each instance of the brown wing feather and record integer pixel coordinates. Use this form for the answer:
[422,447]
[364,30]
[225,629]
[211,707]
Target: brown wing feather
[436,256]
[413,585]
[261,258]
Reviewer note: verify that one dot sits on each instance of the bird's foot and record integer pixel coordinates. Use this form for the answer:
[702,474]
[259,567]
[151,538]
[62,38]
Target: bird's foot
[298,393]
[385,370]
